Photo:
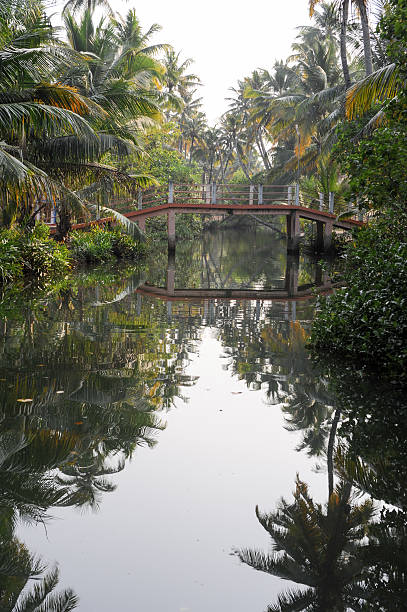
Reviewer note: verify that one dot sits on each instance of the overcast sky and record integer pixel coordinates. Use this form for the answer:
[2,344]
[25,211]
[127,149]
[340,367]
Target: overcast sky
[226,39]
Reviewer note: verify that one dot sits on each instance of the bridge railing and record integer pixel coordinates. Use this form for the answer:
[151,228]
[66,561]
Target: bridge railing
[216,194]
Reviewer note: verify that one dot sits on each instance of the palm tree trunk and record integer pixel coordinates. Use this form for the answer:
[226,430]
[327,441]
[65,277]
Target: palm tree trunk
[262,150]
[211,171]
[330,452]
[191,148]
[367,50]
[344,58]
[241,164]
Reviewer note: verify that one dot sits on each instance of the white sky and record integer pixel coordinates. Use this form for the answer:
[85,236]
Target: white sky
[226,39]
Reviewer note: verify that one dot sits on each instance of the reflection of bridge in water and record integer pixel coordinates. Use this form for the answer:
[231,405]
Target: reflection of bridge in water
[292,291]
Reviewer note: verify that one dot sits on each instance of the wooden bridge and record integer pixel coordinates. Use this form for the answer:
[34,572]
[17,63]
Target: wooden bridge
[235,199]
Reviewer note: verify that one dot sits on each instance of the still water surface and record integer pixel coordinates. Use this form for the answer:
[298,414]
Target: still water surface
[159,422]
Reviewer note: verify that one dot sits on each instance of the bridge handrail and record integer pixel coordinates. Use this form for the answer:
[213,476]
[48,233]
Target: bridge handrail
[217,194]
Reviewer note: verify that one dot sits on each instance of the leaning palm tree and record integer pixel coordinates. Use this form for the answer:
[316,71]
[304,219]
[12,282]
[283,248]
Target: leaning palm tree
[320,549]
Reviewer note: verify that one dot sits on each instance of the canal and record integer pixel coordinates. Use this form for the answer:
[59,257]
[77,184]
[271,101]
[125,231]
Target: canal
[141,427]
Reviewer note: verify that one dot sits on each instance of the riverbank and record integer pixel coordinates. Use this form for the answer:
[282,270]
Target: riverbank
[366,321]
[34,255]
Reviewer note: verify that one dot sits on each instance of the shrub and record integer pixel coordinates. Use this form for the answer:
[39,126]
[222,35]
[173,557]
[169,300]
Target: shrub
[101,245]
[367,320]
[31,254]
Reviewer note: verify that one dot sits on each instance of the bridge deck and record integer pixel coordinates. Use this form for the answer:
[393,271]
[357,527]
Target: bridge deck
[310,214]
[244,209]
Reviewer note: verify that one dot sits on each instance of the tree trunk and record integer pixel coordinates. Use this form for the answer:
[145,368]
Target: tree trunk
[344,58]
[367,50]
[262,150]
[241,164]
[330,452]
[211,171]
[64,222]
[191,148]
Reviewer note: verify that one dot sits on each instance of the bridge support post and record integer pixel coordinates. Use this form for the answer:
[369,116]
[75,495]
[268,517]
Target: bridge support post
[291,275]
[324,235]
[293,232]
[139,199]
[321,201]
[213,195]
[171,230]
[260,195]
[142,224]
[170,192]
[251,195]
[208,193]
[290,195]
[170,285]
[331,201]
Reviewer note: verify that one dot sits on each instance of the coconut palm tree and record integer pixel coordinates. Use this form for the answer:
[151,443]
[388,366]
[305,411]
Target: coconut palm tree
[52,135]
[33,108]
[177,81]
[319,548]
[362,8]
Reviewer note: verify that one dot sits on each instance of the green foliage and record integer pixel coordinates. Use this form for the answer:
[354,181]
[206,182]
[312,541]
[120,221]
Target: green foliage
[187,226]
[367,320]
[376,165]
[31,254]
[393,28]
[162,162]
[100,245]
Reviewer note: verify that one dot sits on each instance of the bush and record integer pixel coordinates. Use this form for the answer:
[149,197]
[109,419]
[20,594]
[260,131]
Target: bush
[30,254]
[367,321]
[101,245]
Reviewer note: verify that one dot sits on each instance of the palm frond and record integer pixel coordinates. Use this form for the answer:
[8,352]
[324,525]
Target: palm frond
[293,601]
[129,227]
[379,86]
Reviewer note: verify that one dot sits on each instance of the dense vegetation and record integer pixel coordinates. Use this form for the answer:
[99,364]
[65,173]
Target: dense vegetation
[367,320]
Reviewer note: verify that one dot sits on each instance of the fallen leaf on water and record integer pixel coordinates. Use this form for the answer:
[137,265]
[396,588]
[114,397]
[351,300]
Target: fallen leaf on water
[24,400]
[79,423]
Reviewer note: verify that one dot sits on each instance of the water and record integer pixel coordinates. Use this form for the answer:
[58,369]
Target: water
[158,420]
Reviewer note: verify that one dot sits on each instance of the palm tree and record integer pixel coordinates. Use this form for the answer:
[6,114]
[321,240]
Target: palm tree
[177,80]
[321,549]
[32,108]
[51,134]
[362,7]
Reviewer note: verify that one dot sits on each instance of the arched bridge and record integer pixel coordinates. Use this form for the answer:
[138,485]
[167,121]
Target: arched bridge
[234,199]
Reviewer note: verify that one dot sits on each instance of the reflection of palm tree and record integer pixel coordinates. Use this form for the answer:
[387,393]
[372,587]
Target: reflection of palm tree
[321,549]
[27,485]
[27,490]
[88,479]
[17,567]
[308,408]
